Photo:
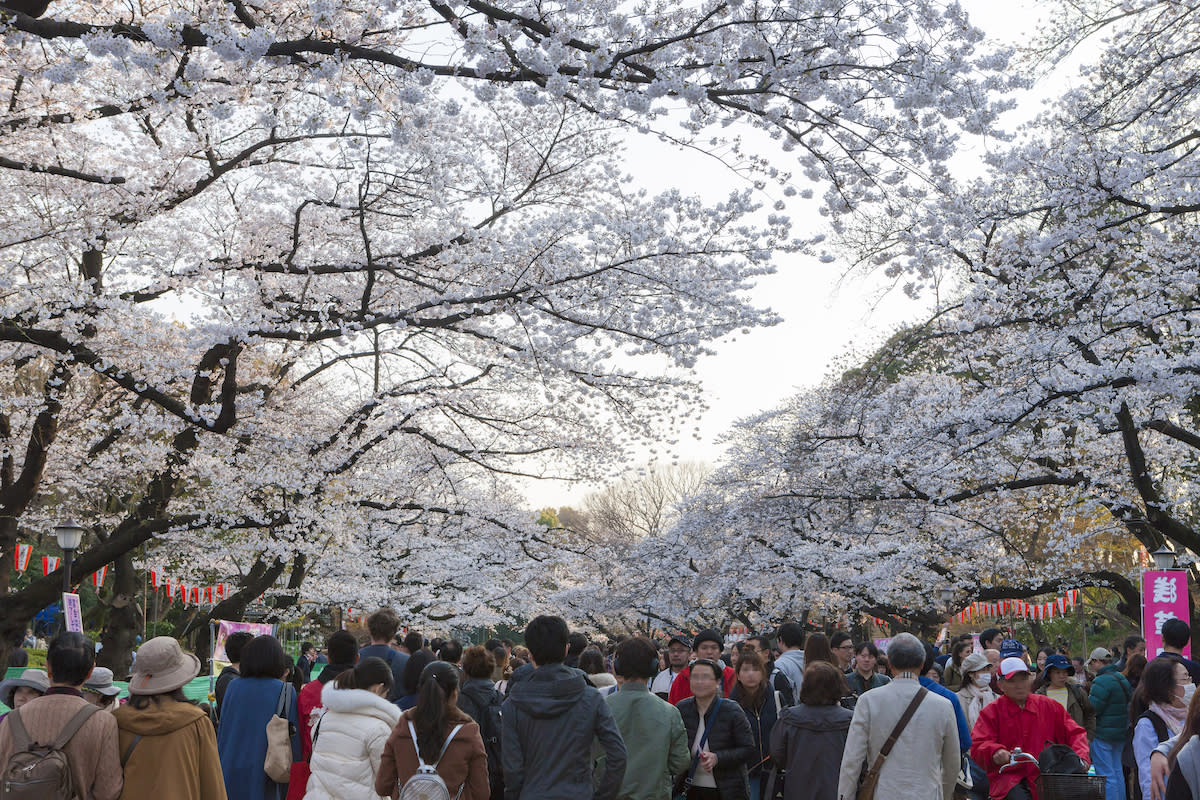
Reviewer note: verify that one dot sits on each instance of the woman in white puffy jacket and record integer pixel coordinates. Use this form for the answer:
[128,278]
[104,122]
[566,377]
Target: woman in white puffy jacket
[348,739]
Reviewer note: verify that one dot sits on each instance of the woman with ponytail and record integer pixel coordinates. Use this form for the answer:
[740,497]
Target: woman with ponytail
[349,738]
[444,735]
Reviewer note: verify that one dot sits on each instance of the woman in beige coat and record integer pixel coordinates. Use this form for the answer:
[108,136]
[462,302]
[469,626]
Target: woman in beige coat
[166,742]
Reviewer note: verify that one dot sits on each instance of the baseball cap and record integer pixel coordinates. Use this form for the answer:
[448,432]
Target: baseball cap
[1100,654]
[683,640]
[1057,661]
[1010,648]
[1011,666]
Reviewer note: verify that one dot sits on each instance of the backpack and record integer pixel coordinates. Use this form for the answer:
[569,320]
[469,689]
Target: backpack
[426,784]
[1127,757]
[786,688]
[41,771]
[488,715]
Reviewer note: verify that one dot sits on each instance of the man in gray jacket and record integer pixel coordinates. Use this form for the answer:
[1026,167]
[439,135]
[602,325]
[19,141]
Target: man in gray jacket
[549,722]
[789,667]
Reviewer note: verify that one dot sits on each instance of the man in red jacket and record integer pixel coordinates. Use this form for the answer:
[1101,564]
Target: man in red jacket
[707,644]
[1025,720]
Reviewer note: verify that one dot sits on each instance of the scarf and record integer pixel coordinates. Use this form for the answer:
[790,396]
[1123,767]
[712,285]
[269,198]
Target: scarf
[980,697]
[1174,716]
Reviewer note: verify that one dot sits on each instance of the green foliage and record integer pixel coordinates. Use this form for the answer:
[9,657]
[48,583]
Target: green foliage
[549,518]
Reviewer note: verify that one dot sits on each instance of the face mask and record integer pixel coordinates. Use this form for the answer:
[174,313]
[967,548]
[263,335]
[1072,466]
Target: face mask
[983,680]
[1188,691]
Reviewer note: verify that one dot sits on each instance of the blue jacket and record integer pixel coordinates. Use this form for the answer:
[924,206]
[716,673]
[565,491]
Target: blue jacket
[242,737]
[964,733]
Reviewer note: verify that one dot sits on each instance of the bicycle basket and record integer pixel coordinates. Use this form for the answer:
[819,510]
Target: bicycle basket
[1071,787]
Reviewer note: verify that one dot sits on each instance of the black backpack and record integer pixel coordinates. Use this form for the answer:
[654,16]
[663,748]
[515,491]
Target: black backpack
[489,718]
[1127,758]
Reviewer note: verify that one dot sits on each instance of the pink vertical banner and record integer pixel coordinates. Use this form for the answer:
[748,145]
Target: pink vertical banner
[1164,597]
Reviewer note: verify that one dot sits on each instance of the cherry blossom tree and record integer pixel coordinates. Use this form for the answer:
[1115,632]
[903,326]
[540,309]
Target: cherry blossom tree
[1046,406]
[293,289]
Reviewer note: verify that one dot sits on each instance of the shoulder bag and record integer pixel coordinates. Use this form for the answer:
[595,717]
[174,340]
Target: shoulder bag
[278,761]
[866,790]
[681,794]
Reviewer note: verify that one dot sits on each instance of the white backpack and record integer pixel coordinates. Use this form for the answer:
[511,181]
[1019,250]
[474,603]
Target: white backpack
[426,784]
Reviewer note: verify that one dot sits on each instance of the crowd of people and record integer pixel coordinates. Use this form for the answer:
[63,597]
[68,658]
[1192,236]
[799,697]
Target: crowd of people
[793,716]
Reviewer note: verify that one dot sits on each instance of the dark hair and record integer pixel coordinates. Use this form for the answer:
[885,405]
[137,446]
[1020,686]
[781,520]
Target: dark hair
[591,661]
[930,658]
[477,662]
[436,684]
[305,647]
[263,657]
[435,644]
[718,673]
[1176,633]
[818,649]
[957,648]
[1135,665]
[1157,686]
[1132,641]
[70,658]
[791,634]
[547,638]
[369,672]
[493,643]
[839,638]
[870,647]
[235,643]
[750,700]
[142,701]
[342,647]
[451,651]
[578,643]
[383,624]
[636,658]
[987,635]
[1048,650]
[501,657]
[763,642]
[506,643]
[412,670]
[413,641]
[823,685]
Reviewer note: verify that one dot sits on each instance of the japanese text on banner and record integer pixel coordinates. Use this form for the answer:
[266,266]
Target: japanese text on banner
[1164,597]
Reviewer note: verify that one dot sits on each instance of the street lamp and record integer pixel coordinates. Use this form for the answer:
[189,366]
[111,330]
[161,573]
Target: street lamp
[69,536]
[947,594]
[1164,558]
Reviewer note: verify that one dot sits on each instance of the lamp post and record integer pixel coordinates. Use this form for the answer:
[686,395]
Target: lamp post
[69,536]
[1164,558]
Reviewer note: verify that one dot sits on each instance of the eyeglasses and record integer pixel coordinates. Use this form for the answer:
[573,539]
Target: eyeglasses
[844,647]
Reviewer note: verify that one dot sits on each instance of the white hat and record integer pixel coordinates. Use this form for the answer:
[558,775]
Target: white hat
[1011,666]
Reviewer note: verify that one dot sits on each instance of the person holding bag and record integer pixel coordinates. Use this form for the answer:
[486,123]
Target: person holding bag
[904,736]
[722,743]
[252,702]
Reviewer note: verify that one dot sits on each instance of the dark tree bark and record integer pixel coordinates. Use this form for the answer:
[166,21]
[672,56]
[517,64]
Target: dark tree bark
[124,620]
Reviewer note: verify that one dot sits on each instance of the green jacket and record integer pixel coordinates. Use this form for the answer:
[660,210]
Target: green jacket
[655,742]
[1110,697]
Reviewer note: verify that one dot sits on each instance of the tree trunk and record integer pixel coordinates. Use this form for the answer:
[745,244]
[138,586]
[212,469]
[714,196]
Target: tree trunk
[233,608]
[124,620]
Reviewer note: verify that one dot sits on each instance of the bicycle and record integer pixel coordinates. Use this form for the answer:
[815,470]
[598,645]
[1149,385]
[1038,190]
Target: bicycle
[1060,786]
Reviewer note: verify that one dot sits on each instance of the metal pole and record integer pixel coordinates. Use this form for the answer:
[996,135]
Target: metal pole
[69,556]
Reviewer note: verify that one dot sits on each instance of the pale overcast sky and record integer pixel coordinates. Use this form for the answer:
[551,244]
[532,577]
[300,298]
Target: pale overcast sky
[826,313]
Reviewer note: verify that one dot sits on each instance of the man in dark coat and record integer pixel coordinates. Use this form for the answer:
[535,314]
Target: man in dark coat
[549,722]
